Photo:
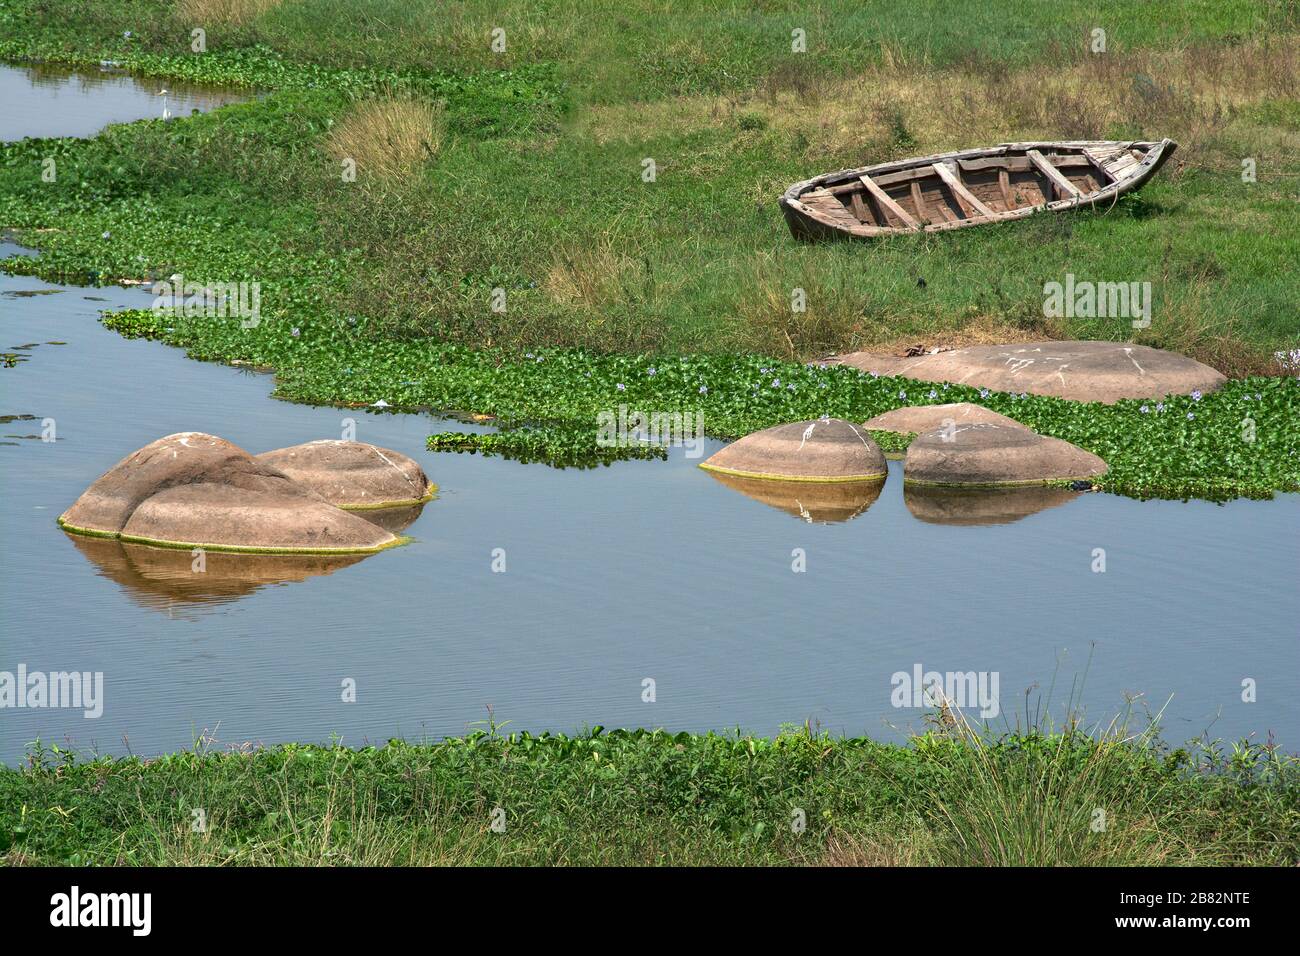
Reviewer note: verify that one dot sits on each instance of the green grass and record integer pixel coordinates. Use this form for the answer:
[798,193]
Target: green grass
[642,797]
[382,288]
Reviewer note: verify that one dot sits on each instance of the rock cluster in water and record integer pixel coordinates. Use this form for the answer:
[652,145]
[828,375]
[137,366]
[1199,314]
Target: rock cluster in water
[966,465]
[196,490]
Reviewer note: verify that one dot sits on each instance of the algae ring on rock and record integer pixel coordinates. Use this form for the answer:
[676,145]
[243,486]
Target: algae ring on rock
[193,490]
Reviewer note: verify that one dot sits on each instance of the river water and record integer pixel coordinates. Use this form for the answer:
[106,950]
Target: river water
[616,577]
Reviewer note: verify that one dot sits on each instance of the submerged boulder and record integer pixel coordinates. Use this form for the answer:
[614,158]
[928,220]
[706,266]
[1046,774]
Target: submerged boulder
[825,449]
[1086,371]
[991,454]
[197,490]
[352,474]
[924,418]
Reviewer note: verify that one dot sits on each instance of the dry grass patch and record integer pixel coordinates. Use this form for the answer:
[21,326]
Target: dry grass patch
[893,109]
[913,846]
[388,137]
[234,12]
[588,275]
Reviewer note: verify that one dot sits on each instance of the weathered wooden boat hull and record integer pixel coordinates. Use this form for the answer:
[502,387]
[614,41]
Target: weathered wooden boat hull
[971,187]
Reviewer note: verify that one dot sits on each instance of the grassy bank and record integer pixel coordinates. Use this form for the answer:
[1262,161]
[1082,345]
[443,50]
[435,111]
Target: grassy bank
[948,797]
[521,171]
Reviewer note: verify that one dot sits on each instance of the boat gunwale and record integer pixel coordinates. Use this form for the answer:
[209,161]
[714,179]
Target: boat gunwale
[1157,152]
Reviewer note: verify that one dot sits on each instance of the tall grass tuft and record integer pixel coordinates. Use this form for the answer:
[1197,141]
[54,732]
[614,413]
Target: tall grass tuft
[1046,797]
[389,137]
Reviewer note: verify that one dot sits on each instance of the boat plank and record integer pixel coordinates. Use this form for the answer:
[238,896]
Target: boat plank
[860,208]
[1099,165]
[964,196]
[1063,185]
[823,202]
[1004,185]
[919,202]
[884,199]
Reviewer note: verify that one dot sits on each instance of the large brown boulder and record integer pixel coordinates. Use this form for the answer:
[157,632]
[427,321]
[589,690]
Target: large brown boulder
[811,501]
[924,418]
[196,490]
[1084,371]
[990,454]
[178,459]
[825,449]
[352,474]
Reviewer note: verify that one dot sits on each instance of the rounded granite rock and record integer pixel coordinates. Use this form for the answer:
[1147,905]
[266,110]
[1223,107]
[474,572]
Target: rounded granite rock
[822,450]
[1086,371]
[352,474]
[193,490]
[924,418]
[990,455]
[177,459]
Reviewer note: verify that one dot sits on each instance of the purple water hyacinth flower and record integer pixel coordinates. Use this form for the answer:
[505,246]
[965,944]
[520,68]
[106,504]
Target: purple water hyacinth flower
[790,386]
[902,395]
[704,389]
[933,393]
[1191,415]
[984,393]
[652,371]
[295,331]
[621,387]
[776,383]
[1144,409]
[1160,406]
[1196,395]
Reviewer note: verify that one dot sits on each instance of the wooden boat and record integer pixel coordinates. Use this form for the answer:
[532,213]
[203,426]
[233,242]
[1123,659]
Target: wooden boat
[970,187]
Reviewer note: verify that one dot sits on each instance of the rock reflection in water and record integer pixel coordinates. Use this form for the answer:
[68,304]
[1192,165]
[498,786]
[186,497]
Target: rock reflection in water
[812,501]
[165,579]
[981,506]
